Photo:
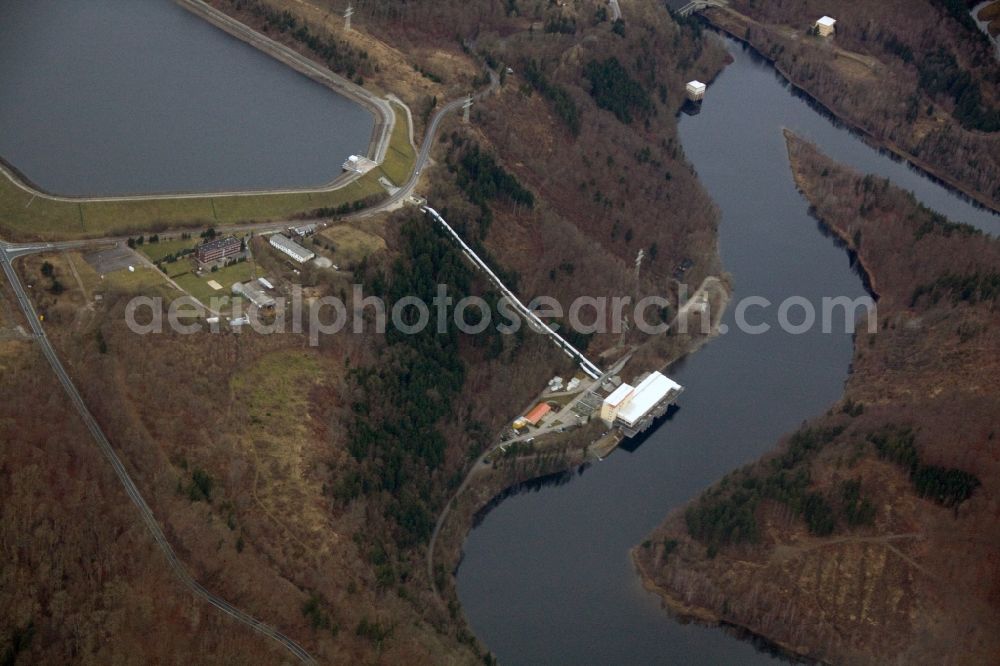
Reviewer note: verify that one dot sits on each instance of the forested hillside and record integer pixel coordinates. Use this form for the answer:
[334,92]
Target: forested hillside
[869,534]
[302,483]
[917,75]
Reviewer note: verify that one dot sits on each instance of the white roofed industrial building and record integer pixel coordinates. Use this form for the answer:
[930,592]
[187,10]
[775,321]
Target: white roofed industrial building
[255,293]
[614,402]
[648,395]
[291,248]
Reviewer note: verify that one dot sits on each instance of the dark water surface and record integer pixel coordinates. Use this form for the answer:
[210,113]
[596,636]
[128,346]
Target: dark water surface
[546,577]
[103,97]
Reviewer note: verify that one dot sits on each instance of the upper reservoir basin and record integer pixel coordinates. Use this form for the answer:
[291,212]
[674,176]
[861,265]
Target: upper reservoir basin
[105,97]
[546,577]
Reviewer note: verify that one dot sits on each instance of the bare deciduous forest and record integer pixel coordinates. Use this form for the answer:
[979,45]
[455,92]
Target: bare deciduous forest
[918,76]
[870,533]
[275,468]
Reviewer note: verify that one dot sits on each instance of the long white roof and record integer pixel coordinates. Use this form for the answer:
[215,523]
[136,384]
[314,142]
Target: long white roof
[649,393]
[288,245]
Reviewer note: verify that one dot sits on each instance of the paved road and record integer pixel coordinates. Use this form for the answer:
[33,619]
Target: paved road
[14,250]
[10,251]
[123,476]
[424,154]
[480,462]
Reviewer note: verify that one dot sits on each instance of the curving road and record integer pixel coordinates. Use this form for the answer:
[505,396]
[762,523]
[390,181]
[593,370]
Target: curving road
[424,154]
[14,250]
[123,476]
[10,251]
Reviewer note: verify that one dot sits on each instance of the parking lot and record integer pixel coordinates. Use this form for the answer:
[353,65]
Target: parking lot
[111,260]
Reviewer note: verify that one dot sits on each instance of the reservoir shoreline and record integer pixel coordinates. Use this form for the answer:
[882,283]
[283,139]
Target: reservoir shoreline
[383,115]
[889,147]
[535,569]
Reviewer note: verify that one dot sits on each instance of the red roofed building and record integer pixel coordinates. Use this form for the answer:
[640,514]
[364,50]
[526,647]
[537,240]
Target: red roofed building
[536,414]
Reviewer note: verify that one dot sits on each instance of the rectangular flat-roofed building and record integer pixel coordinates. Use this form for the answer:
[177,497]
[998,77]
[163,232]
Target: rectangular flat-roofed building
[220,248]
[291,248]
[614,402]
[255,294]
[825,26]
[649,401]
[695,91]
[536,414]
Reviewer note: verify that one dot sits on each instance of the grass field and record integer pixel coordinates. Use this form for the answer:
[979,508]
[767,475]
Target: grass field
[157,251]
[24,216]
[400,157]
[198,286]
[144,280]
[351,244]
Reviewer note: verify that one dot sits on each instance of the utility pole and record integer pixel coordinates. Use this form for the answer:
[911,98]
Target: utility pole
[638,267]
[253,261]
[466,109]
[625,328]
[625,325]
[347,18]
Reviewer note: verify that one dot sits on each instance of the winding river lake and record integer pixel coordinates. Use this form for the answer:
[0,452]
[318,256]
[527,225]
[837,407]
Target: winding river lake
[105,97]
[546,577]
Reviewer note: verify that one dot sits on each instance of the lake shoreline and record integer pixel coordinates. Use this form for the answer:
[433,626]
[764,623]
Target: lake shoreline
[466,510]
[683,612]
[775,585]
[384,120]
[889,146]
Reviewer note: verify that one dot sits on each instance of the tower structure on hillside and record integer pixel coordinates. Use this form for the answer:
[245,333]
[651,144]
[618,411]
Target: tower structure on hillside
[348,13]
[467,109]
[624,322]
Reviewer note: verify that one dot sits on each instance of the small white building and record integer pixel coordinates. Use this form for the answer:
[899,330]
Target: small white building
[305,230]
[255,294]
[291,248]
[359,164]
[825,26]
[696,91]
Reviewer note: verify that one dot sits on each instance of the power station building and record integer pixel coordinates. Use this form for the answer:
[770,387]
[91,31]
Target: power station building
[614,402]
[634,409]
